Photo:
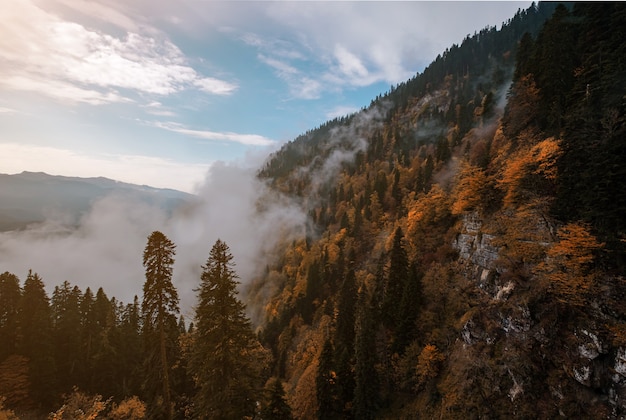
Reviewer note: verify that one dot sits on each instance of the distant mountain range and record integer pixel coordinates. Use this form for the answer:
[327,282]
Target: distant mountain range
[30,197]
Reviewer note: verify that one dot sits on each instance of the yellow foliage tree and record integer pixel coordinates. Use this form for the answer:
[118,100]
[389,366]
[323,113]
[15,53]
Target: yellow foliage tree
[531,173]
[427,222]
[568,268]
[428,363]
[130,409]
[471,186]
[80,406]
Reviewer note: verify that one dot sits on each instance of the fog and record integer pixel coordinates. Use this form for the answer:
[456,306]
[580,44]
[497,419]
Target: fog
[232,204]
[105,249]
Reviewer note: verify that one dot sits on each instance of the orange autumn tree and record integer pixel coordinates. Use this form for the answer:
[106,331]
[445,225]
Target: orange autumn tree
[531,173]
[569,266]
[471,189]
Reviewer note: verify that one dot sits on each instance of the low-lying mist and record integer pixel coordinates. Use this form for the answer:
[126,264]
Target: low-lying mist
[105,249]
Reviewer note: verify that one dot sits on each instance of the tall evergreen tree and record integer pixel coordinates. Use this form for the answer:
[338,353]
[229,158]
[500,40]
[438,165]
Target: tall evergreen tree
[408,311]
[159,305]
[367,383]
[224,355]
[10,295]
[67,325]
[396,279]
[35,323]
[103,355]
[326,384]
[130,351]
[344,348]
[276,406]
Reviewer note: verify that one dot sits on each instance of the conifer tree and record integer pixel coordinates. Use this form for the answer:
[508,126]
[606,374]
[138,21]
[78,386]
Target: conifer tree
[408,311]
[396,279]
[35,323]
[67,325]
[103,355]
[224,350]
[367,382]
[131,355]
[276,406]
[326,384]
[10,295]
[345,336]
[160,304]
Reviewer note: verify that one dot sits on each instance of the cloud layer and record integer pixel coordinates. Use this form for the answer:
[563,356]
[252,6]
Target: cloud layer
[65,60]
[106,249]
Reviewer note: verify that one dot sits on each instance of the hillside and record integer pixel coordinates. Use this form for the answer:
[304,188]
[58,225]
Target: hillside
[462,258]
[31,197]
[465,256]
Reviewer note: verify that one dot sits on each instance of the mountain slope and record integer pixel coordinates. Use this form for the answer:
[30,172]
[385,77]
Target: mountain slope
[31,197]
[443,274]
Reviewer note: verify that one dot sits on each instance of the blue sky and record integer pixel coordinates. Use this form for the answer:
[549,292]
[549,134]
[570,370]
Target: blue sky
[154,92]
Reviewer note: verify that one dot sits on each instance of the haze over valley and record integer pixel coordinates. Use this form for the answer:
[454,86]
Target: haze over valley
[312,210]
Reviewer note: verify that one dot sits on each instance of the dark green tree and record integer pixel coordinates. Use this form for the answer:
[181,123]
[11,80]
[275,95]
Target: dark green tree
[313,292]
[159,306]
[397,276]
[326,384]
[10,294]
[103,357]
[129,349]
[276,406]
[367,382]
[344,337]
[345,312]
[67,344]
[35,324]
[408,311]
[224,358]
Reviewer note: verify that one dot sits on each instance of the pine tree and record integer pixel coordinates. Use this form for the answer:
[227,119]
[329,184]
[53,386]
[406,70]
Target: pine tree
[276,406]
[408,311]
[67,324]
[160,304]
[103,358]
[224,352]
[35,322]
[367,382]
[87,336]
[10,295]
[396,279]
[344,348]
[130,353]
[326,384]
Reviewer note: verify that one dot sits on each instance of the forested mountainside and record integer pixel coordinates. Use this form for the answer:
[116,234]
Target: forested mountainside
[464,258]
[466,253]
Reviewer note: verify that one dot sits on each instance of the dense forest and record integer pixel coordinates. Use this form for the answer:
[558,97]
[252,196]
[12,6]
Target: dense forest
[464,258]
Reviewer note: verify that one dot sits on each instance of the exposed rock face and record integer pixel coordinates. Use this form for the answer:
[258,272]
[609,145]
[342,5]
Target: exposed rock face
[535,341]
[477,251]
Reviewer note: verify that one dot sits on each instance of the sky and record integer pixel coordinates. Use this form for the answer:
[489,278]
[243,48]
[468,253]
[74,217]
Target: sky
[156,92]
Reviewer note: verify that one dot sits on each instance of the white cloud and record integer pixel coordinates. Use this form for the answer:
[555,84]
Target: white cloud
[41,52]
[349,64]
[247,139]
[281,67]
[353,44]
[136,169]
[215,86]
[105,249]
[63,91]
